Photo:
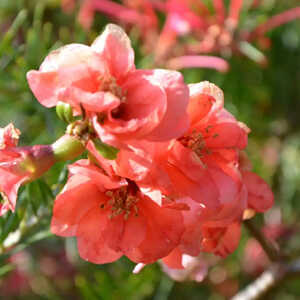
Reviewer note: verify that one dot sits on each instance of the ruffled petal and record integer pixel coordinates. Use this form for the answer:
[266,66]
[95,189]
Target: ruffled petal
[221,241]
[175,121]
[72,65]
[115,47]
[203,191]
[95,175]
[145,106]
[90,243]
[164,230]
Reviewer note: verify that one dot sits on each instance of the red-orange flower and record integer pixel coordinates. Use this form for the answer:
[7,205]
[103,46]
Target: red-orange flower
[111,217]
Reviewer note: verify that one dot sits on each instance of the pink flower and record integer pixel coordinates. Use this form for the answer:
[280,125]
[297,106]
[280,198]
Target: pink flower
[203,162]
[115,219]
[142,162]
[123,102]
[19,165]
[200,167]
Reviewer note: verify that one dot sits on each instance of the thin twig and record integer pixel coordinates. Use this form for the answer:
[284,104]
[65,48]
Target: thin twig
[269,279]
[269,247]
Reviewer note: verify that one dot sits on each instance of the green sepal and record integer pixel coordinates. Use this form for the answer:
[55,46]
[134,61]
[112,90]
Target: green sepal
[64,112]
[107,151]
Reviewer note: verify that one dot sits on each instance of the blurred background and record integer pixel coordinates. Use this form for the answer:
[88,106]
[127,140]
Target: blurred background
[258,68]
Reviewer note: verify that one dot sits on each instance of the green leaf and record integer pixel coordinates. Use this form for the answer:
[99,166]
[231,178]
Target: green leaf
[12,31]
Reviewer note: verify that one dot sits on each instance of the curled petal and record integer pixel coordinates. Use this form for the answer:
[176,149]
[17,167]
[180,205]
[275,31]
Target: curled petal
[95,102]
[146,104]
[86,170]
[260,196]
[197,90]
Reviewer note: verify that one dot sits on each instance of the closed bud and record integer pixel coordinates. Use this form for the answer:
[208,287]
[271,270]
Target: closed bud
[64,112]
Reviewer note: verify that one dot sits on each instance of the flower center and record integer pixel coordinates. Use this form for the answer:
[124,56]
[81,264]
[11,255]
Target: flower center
[109,84]
[123,201]
[196,142]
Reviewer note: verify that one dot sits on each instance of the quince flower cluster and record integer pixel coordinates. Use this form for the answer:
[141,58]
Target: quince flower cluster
[165,174]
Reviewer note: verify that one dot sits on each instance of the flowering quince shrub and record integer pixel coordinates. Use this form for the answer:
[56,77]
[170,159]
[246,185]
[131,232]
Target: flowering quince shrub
[165,176]
[191,29]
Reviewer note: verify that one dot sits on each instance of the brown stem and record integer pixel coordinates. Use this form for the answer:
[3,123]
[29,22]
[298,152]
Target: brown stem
[269,247]
[274,275]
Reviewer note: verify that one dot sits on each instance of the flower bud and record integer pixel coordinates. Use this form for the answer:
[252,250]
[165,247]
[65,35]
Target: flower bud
[19,165]
[64,112]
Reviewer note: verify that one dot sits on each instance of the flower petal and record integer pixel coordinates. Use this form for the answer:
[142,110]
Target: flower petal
[115,47]
[164,230]
[175,121]
[260,196]
[90,243]
[72,65]
[145,106]
[77,198]
[94,102]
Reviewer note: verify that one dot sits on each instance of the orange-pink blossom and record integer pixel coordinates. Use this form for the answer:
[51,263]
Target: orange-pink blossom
[123,102]
[116,218]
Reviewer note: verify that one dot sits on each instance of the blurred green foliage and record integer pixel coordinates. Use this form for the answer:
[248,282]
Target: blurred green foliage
[266,99]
